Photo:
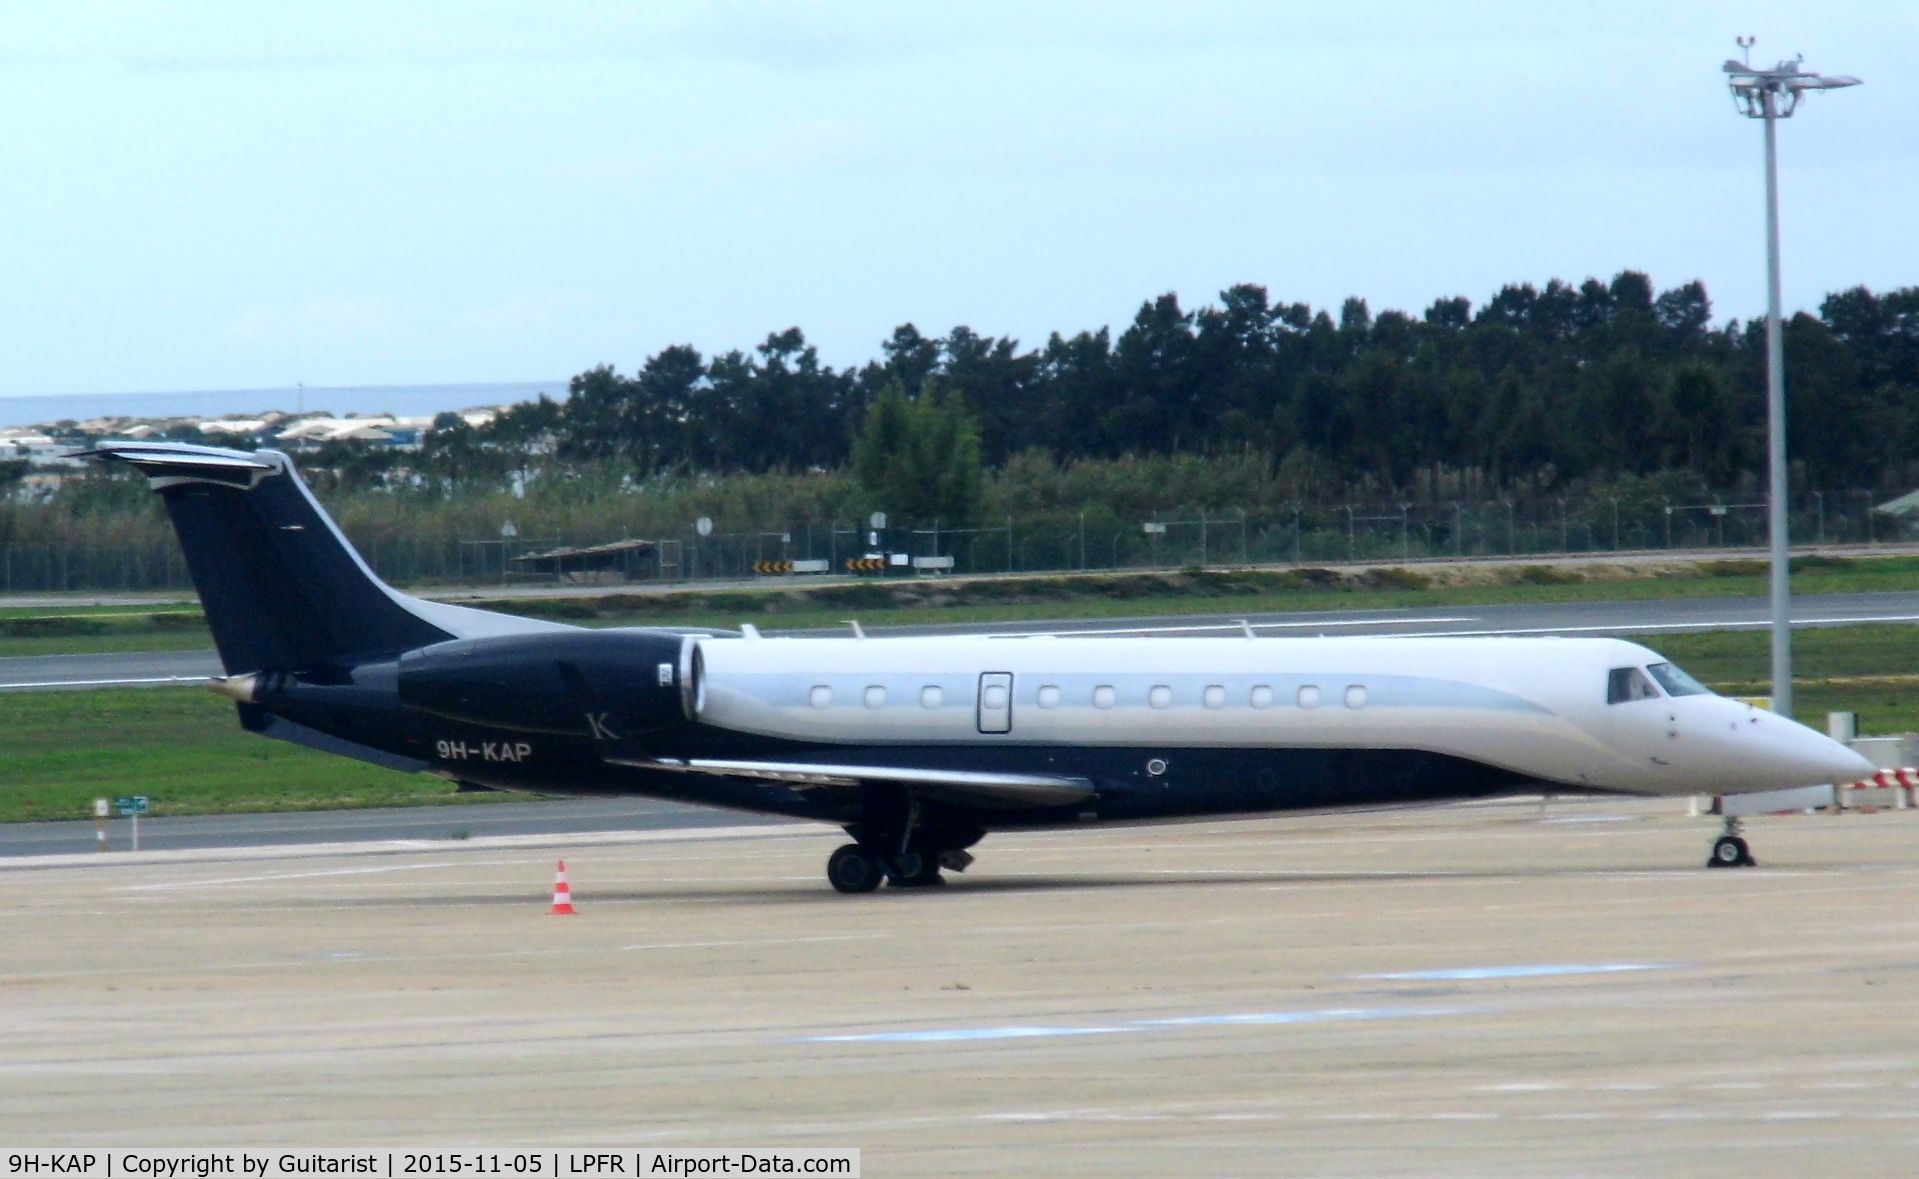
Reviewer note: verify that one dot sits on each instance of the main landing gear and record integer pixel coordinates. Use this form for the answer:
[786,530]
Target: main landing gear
[898,842]
[1730,850]
[859,868]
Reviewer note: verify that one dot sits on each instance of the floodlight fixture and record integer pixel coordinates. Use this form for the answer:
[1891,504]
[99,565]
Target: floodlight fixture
[1785,84]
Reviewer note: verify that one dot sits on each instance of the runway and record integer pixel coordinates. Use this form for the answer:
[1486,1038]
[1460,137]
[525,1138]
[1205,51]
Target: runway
[1643,621]
[1487,990]
[106,669]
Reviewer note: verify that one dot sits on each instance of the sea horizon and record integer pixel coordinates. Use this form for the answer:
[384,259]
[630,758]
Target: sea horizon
[399,400]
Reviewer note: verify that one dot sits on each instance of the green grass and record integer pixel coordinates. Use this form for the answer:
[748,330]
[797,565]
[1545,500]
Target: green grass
[1742,658]
[1870,670]
[28,623]
[184,750]
[1883,710]
[85,630]
[198,640]
[7,612]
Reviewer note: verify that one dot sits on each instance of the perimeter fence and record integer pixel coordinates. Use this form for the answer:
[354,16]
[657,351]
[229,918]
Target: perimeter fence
[1090,540]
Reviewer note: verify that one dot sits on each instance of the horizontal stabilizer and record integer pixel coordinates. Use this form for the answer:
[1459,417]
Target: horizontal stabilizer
[282,586]
[179,460]
[967,786]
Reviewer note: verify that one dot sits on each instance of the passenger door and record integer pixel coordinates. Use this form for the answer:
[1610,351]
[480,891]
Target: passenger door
[996,702]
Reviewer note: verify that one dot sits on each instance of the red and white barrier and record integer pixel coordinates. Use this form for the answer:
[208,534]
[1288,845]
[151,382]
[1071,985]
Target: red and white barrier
[1893,790]
[1886,790]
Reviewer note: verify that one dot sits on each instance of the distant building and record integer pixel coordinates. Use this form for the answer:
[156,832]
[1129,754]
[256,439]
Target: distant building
[46,446]
[39,450]
[387,432]
[236,427]
[313,433]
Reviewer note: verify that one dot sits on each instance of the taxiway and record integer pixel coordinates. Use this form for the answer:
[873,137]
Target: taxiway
[1488,990]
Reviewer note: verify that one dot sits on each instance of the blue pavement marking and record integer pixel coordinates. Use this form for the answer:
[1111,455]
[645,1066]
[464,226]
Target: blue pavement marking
[1240,1019]
[949,1035]
[1330,1015]
[1547,970]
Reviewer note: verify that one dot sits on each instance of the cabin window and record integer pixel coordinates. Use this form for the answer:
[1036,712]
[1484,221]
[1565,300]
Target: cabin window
[1262,696]
[994,698]
[931,696]
[1214,696]
[1049,697]
[1626,684]
[820,697]
[1160,697]
[1677,682]
[1356,695]
[1309,696]
[1104,696]
[875,696]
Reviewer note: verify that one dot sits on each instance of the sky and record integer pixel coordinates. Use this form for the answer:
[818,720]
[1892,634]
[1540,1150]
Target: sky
[216,195]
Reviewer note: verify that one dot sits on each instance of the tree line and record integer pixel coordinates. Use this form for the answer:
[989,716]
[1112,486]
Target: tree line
[1600,390]
[1531,392]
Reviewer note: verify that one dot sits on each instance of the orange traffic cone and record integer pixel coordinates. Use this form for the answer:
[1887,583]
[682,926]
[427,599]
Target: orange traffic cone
[562,895]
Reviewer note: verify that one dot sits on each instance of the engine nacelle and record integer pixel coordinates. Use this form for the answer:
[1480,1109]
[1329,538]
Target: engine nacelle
[605,685]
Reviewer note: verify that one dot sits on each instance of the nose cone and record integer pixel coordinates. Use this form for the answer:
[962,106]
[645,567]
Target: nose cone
[1842,765]
[1712,745]
[1798,756]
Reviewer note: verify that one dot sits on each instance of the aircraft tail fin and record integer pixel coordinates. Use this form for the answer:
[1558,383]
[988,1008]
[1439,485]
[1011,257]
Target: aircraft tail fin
[281,585]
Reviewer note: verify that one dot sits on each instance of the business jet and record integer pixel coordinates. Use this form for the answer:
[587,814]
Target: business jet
[919,747]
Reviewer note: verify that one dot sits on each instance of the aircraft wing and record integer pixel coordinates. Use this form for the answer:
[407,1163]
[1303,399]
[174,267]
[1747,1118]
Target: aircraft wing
[970,787]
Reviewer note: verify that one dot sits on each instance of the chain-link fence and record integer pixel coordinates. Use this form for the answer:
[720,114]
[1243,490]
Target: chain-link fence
[1094,539]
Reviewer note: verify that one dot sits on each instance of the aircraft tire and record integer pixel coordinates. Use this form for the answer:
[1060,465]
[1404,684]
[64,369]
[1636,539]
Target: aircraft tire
[852,869]
[915,869]
[1730,851]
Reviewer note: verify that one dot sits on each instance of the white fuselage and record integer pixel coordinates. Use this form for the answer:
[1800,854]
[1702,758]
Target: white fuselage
[1536,707]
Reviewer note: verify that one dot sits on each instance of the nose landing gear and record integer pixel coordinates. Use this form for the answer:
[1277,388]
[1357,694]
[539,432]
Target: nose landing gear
[1730,850]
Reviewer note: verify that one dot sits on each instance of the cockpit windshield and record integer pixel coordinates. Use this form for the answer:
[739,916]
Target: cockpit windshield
[1677,682]
[1626,684]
